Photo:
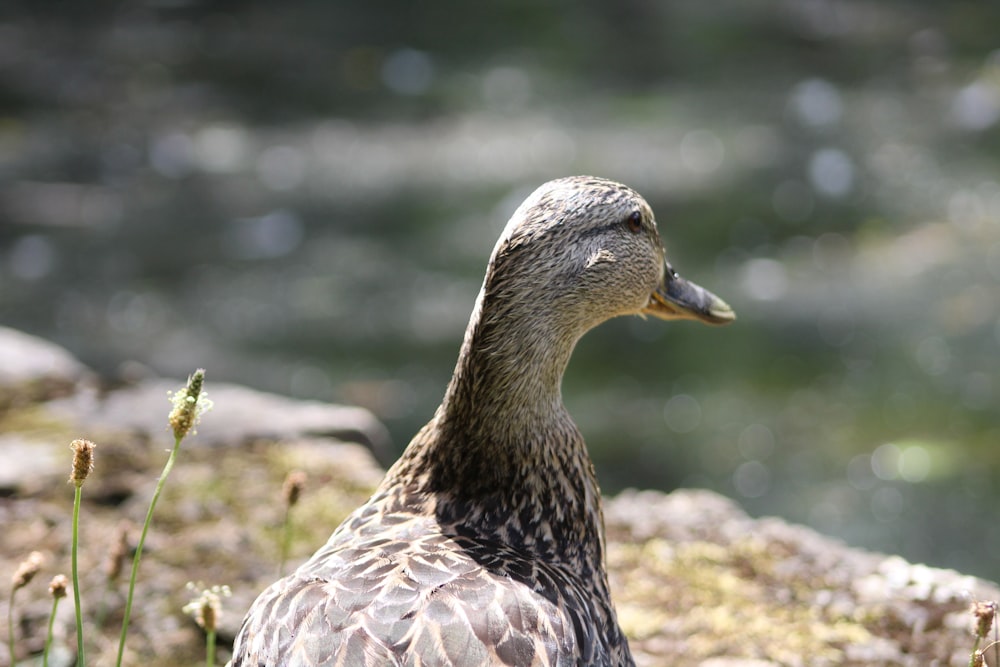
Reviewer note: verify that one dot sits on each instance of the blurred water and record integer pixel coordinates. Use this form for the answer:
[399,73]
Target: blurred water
[303,198]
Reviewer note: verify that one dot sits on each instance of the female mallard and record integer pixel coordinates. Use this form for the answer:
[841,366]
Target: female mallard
[484,545]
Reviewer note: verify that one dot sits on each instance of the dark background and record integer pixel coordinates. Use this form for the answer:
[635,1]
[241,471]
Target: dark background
[302,197]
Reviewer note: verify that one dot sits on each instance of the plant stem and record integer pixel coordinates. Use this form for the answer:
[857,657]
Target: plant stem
[210,649]
[48,636]
[80,657]
[138,549]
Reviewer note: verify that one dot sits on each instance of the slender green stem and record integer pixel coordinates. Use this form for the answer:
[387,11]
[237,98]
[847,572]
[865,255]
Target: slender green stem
[48,636]
[210,649]
[80,657]
[138,549]
[10,628]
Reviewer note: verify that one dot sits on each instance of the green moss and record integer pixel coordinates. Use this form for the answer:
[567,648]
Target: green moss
[712,600]
[36,420]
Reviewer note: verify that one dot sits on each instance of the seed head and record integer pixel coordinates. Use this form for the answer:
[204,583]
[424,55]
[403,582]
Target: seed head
[27,570]
[292,488]
[207,605]
[190,403]
[58,586]
[83,461]
[984,613]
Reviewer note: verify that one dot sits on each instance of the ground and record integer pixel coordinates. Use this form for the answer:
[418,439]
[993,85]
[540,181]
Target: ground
[696,581]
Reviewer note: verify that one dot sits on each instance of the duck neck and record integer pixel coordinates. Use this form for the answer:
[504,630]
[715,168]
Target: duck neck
[507,382]
[502,458]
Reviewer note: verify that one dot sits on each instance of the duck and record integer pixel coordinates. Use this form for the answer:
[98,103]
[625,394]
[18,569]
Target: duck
[484,544]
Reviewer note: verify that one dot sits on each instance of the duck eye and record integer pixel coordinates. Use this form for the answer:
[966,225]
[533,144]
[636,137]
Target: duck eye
[634,222]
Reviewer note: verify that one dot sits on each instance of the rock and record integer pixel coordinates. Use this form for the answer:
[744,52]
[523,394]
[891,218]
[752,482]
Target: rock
[32,369]
[316,453]
[698,582]
[26,465]
[239,415]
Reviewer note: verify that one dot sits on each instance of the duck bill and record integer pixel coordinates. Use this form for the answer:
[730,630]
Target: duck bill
[680,299]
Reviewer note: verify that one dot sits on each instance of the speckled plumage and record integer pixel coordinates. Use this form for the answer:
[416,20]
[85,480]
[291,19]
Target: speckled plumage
[484,544]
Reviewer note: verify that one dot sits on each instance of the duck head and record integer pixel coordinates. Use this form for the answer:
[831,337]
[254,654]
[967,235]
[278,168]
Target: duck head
[587,249]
